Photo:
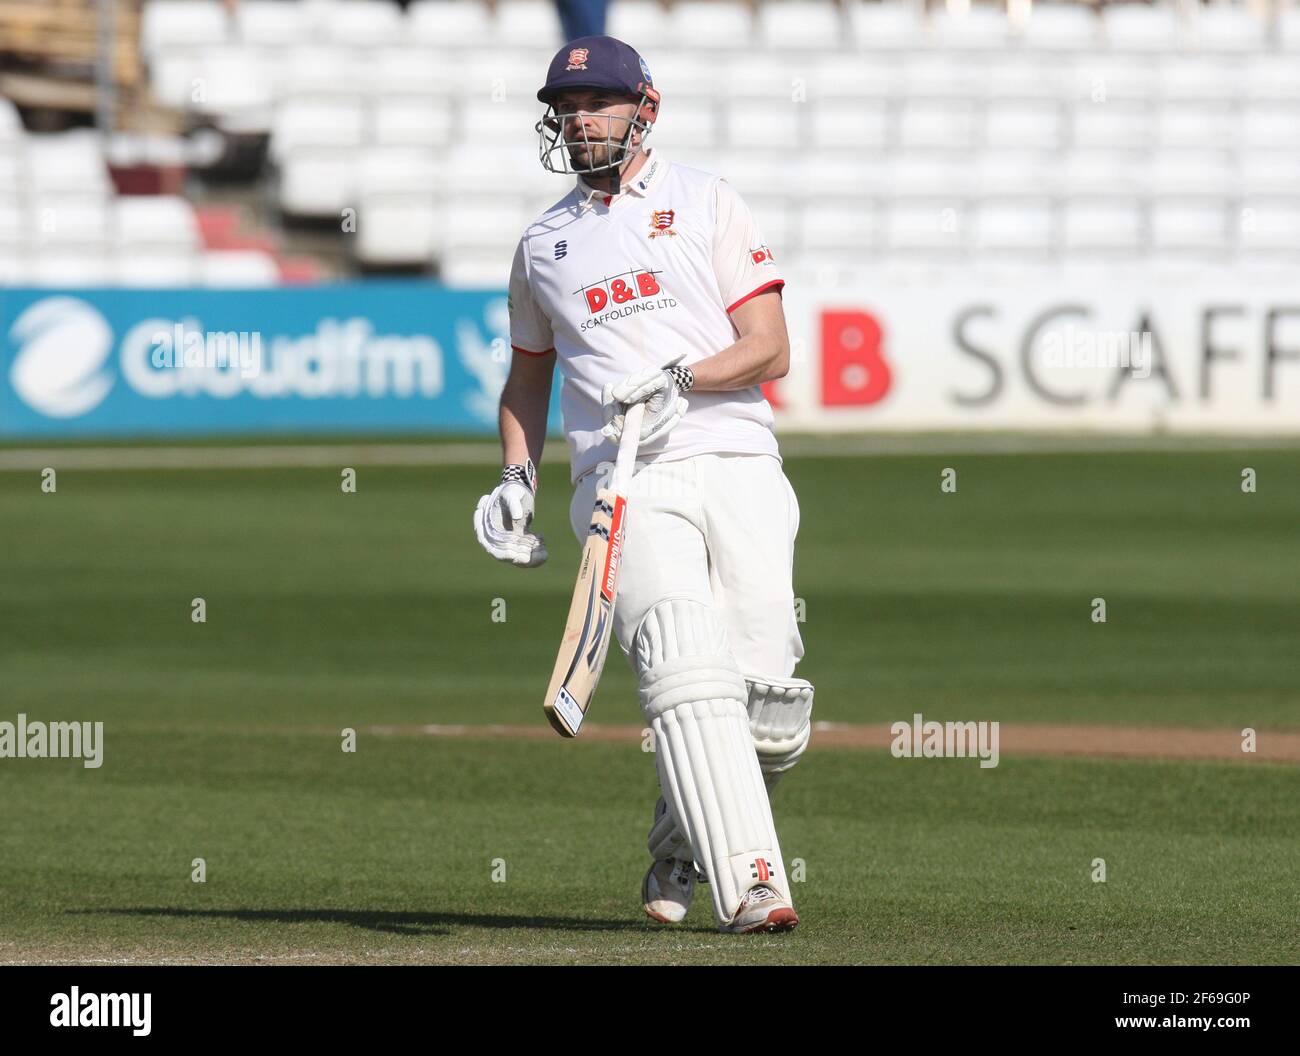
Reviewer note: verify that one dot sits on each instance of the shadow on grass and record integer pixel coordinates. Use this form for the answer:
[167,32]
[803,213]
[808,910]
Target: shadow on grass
[415,924]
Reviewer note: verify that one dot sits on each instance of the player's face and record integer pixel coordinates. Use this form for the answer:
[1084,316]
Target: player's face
[600,116]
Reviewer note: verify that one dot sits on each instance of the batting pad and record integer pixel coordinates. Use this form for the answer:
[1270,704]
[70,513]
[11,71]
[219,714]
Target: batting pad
[693,695]
[780,719]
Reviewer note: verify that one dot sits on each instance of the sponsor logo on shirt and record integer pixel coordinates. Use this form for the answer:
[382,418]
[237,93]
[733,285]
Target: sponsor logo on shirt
[761,255]
[631,285]
[618,296]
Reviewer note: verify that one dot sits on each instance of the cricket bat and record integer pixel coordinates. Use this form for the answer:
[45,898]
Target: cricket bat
[591,613]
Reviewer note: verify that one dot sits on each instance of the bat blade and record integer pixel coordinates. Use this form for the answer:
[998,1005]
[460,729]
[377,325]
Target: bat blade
[591,612]
[591,618]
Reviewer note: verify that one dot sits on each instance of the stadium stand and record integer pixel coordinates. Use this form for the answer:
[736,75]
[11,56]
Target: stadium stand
[861,132]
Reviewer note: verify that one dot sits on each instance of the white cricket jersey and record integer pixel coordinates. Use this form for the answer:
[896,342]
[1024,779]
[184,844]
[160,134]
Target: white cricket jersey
[618,285]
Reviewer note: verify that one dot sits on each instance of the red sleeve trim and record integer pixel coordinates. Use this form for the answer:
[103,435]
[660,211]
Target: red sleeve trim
[766,286]
[528,352]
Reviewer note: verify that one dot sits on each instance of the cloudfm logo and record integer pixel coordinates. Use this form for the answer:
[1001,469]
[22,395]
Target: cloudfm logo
[59,367]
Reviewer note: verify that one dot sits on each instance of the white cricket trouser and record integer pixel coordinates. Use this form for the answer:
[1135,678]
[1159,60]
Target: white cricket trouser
[719,528]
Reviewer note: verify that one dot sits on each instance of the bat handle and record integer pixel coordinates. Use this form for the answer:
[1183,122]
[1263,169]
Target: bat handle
[627,446]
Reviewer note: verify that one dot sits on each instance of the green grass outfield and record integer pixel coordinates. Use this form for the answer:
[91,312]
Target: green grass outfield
[328,610]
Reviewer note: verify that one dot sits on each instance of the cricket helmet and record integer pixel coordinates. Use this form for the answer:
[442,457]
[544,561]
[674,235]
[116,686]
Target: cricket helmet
[596,63]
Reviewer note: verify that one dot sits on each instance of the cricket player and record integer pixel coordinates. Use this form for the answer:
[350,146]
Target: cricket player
[649,282]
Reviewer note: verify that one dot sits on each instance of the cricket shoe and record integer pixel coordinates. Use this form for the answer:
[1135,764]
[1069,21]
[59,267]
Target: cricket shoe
[667,890]
[762,909]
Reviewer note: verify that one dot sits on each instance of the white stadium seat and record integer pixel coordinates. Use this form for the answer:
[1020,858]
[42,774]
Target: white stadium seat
[1015,76]
[1109,226]
[888,26]
[764,124]
[642,23]
[937,125]
[1200,125]
[976,28]
[723,25]
[11,124]
[238,269]
[15,219]
[1272,77]
[147,269]
[940,76]
[1222,28]
[479,167]
[327,70]
[1013,226]
[1140,27]
[1110,126]
[83,220]
[853,78]
[1194,224]
[1027,125]
[476,269]
[1102,172]
[167,24]
[412,122]
[482,223]
[236,88]
[156,220]
[1191,172]
[14,268]
[927,176]
[318,182]
[78,269]
[793,24]
[269,23]
[1100,79]
[1270,125]
[1271,172]
[1204,78]
[528,23]
[65,162]
[689,129]
[399,216]
[411,71]
[510,122]
[850,125]
[363,23]
[318,123]
[776,219]
[1272,225]
[1288,28]
[846,225]
[930,227]
[448,24]
[1010,174]
[1061,27]
[685,82]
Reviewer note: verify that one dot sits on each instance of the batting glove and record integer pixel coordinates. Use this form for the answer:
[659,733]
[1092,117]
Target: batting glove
[502,519]
[659,388]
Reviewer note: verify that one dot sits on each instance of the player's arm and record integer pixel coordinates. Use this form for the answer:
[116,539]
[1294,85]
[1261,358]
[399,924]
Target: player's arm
[749,283]
[526,398]
[525,401]
[762,353]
